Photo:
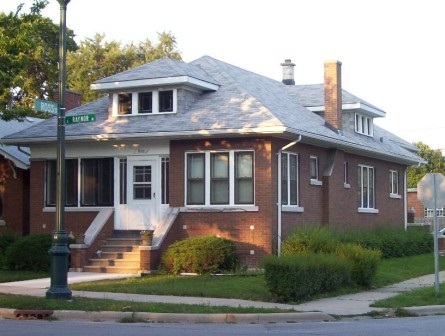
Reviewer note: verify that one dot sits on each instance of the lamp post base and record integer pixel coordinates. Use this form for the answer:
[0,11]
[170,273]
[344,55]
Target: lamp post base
[59,267]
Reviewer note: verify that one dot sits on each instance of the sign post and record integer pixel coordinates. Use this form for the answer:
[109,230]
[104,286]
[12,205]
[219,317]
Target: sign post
[431,192]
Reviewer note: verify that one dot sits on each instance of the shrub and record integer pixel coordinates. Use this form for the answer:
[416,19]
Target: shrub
[310,240]
[301,276]
[7,237]
[391,241]
[205,254]
[364,262]
[29,253]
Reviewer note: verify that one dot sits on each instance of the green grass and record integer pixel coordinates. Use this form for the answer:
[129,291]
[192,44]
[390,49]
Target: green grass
[246,287]
[9,276]
[396,270]
[243,286]
[85,304]
[419,297]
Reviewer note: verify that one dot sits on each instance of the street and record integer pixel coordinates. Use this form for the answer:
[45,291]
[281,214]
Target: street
[425,326]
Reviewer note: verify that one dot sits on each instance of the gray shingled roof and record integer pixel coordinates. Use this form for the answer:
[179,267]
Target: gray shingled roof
[161,68]
[244,103]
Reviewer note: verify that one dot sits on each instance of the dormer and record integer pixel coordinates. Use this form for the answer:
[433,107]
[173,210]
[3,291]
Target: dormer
[154,88]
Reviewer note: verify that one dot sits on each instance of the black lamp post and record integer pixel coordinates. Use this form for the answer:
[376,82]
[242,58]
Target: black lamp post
[59,250]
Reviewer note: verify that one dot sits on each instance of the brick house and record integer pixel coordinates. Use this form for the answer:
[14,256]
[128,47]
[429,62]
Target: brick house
[14,179]
[207,148]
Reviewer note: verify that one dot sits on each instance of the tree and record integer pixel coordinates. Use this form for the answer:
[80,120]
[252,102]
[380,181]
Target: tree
[436,164]
[96,58]
[29,56]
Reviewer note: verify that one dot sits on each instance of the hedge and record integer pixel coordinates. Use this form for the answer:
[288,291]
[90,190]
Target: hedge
[29,253]
[203,254]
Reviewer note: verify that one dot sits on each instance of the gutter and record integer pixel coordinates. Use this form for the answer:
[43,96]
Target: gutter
[279,201]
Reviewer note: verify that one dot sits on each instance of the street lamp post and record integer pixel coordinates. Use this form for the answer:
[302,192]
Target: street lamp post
[59,250]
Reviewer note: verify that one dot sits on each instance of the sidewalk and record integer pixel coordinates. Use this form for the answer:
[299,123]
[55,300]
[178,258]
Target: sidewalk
[319,310]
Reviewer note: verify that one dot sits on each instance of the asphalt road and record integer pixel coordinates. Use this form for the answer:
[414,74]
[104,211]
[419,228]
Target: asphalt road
[425,326]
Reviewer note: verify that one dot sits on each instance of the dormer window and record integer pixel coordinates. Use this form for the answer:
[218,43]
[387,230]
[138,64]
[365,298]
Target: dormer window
[147,102]
[364,125]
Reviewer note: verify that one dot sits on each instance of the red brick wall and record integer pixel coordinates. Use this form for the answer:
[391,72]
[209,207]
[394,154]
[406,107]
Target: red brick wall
[414,203]
[232,225]
[14,196]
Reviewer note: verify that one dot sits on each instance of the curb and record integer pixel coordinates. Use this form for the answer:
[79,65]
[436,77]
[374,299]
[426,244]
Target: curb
[168,317]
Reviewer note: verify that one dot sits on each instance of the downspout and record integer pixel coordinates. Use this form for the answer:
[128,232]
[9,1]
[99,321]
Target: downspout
[279,205]
[405,201]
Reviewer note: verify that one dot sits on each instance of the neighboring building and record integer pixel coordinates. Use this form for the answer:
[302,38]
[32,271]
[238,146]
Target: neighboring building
[14,178]
[420,215]
[207,148]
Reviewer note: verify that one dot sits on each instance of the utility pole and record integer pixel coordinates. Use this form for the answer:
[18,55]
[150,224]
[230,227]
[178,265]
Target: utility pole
[59,251]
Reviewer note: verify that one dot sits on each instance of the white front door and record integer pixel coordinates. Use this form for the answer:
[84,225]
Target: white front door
[139,210]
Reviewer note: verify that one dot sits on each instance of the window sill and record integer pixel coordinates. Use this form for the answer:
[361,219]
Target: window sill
[233,208]
[367,210]
[395,196]
[77,209]
[346,186]
[292,208]
[316,182]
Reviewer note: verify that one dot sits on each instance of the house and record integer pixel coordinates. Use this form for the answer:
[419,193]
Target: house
[14,179]
[207,148]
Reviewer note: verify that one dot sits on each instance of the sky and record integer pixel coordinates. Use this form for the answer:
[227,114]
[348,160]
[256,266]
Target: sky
[392,51]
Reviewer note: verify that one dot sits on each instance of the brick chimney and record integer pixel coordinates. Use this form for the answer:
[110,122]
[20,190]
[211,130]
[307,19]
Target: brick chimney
[288,72]
[73,99]
[333,94]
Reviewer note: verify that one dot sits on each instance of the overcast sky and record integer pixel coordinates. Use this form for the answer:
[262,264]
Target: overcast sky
[392,50]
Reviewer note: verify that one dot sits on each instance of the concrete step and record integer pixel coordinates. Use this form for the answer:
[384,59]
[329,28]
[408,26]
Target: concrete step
[124,241]
[112,269]
[120,255]
[114,262]
[119,248]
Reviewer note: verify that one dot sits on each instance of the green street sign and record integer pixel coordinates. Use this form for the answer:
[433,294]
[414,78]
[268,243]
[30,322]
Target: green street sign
[84,118]
[46,106]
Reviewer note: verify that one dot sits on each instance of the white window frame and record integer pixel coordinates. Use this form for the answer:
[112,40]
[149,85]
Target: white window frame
[394,184]
[370,198]
[288,206]
[135,103]
[207,181]
[315,181]
[364,125]
[346,183]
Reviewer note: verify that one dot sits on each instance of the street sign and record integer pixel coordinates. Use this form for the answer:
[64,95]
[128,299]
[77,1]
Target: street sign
[84,118]
[430,184]
[46,106]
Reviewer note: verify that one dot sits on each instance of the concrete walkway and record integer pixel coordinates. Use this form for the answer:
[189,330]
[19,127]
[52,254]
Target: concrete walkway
[319,310]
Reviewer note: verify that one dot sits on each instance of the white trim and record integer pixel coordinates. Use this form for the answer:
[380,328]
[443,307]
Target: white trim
[219,208]
[78,209]
[135,103]
[346,186]
[365,109]
[292,208]
[395,196]
[316,182]
[146,82]
[367,210]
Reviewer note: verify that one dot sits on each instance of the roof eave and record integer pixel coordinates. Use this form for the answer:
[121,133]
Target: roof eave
[358,107]
[152,82]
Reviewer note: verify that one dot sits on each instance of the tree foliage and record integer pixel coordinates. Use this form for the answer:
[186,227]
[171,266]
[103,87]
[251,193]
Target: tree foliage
[436,164]
[29,56]
[97,58]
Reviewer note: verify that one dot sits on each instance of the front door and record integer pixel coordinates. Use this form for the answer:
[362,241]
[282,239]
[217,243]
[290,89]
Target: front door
[139,210]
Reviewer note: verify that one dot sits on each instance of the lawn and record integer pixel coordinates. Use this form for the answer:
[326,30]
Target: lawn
[241,286]
[419,297]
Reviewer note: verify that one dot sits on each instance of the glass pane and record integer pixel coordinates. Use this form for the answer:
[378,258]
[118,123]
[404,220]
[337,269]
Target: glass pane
[195,166]
[244,164]
[166,101]
[124,103]
[145,102]
[313,168]
[220,192]
[371,187]
[220,165]
[244,192]
[71,182]
[142,191]
[165,182]
[142,174]
[195,191]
